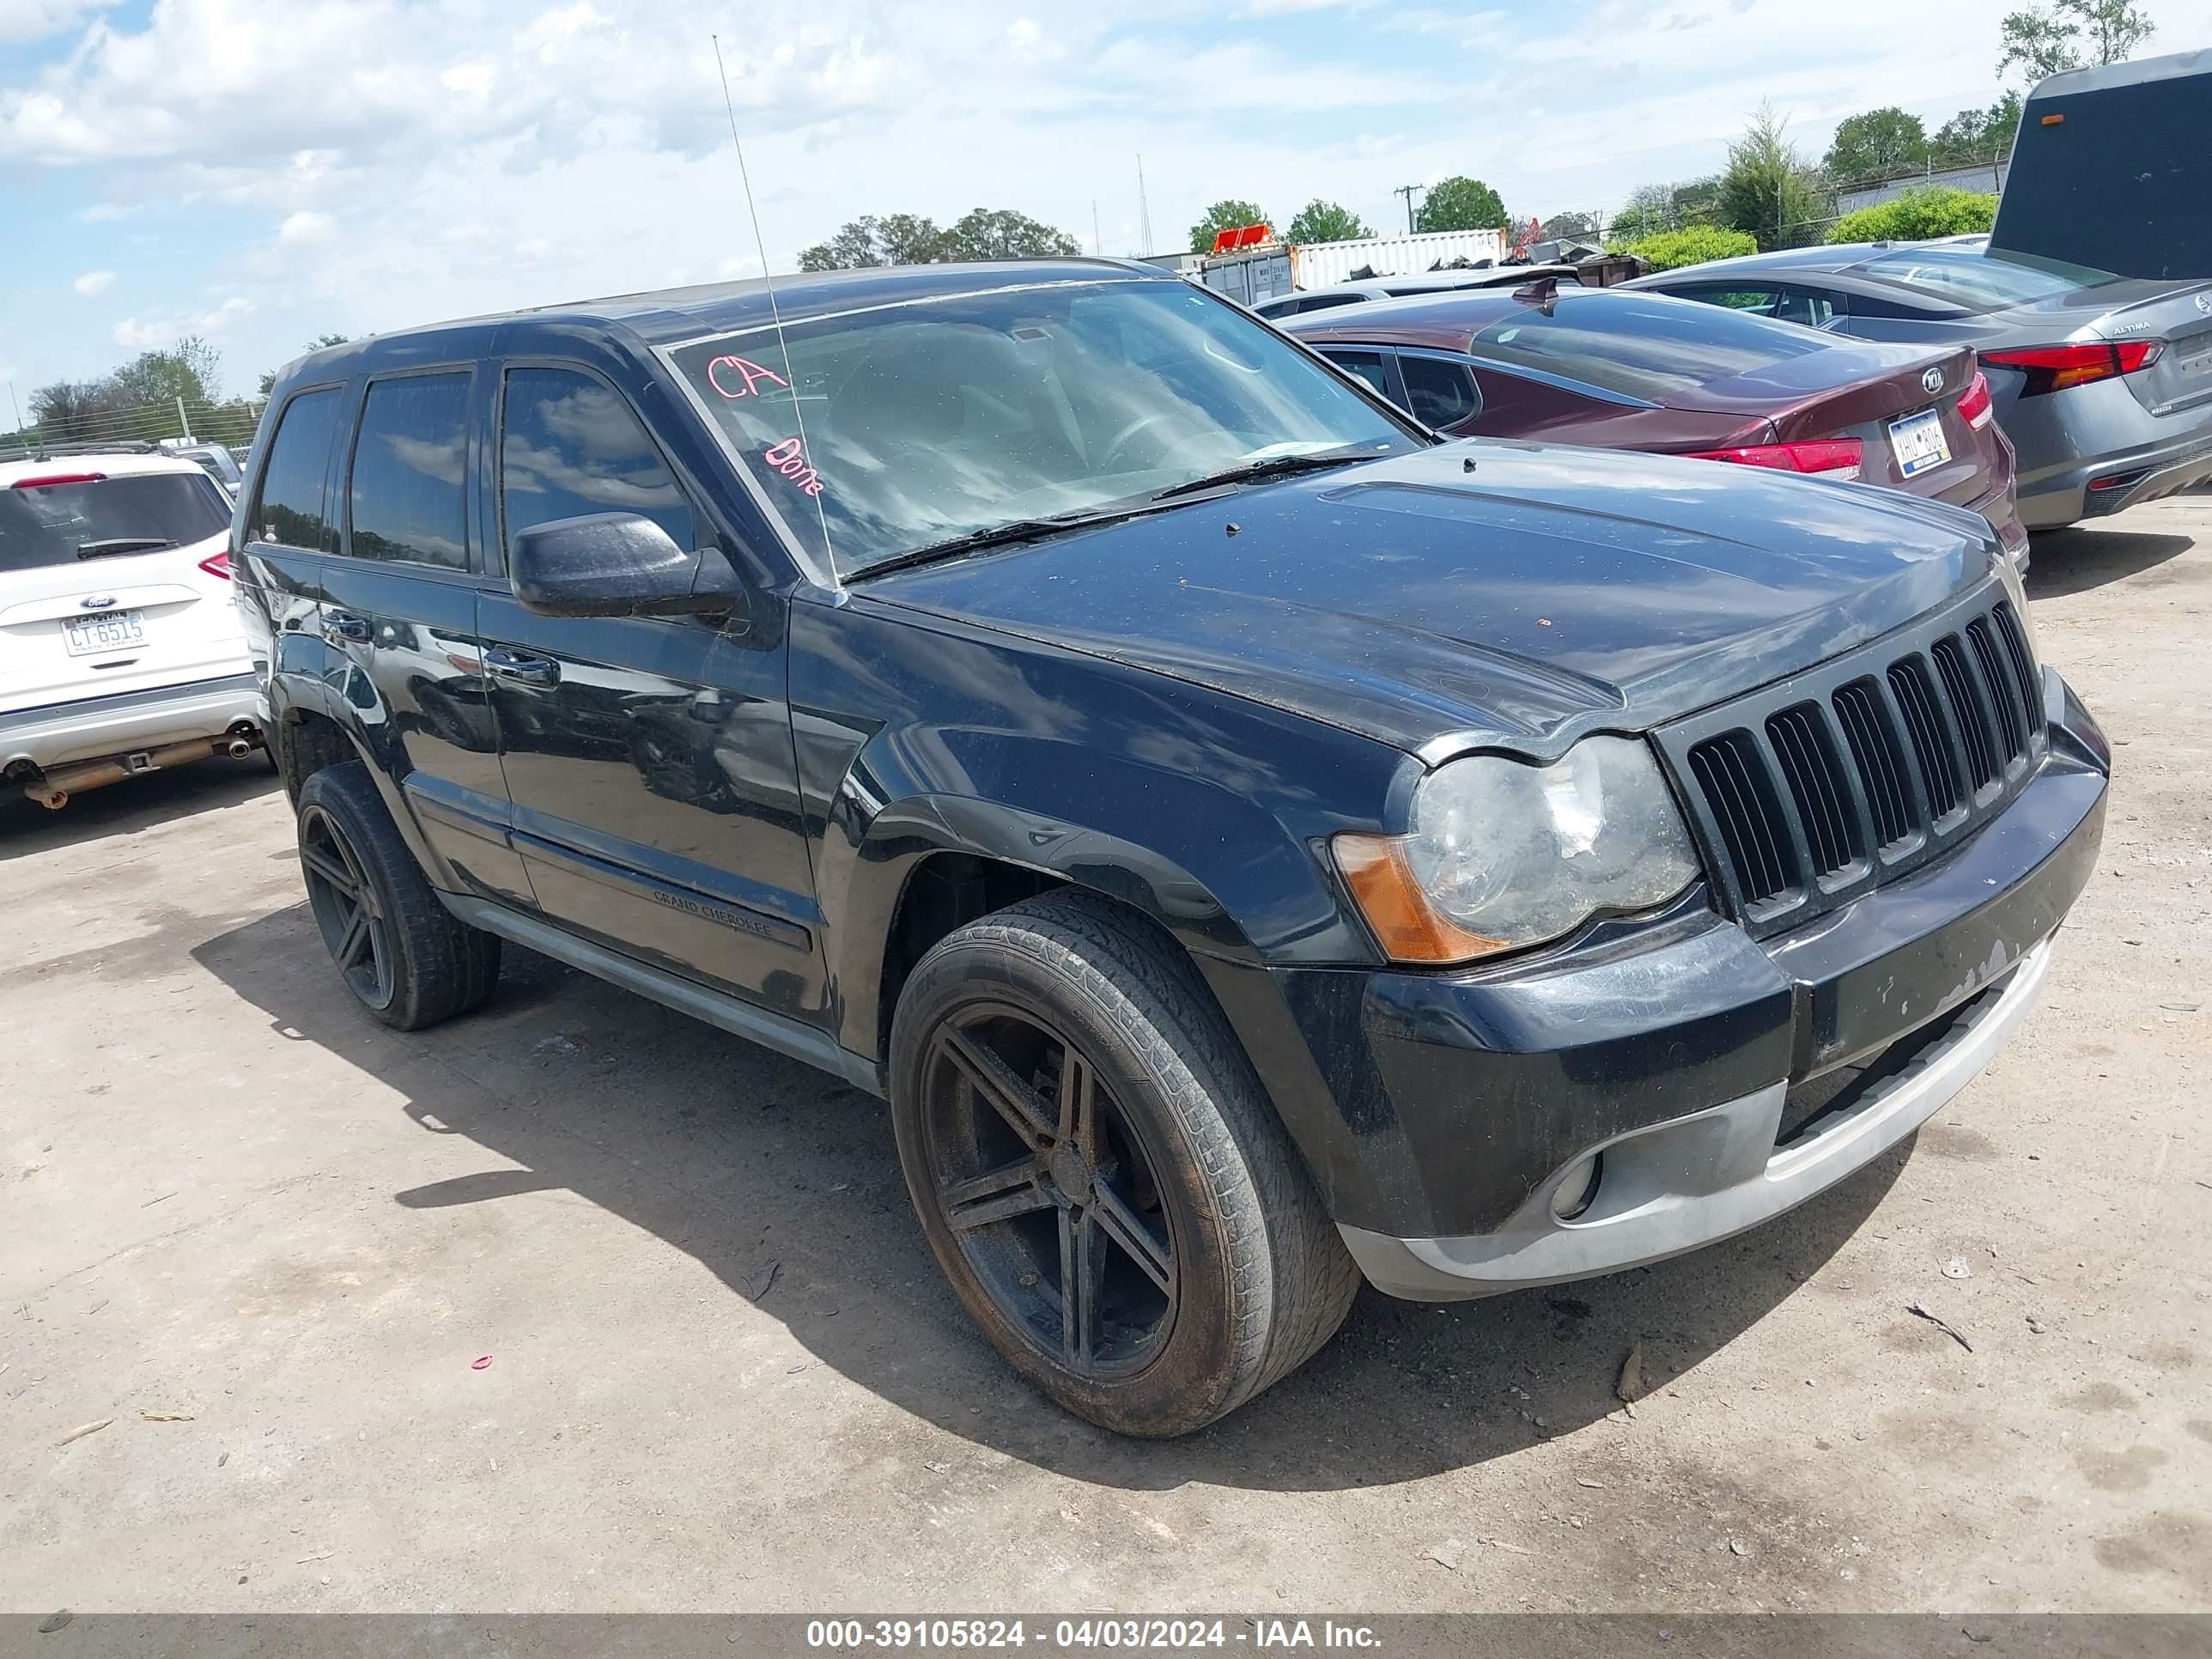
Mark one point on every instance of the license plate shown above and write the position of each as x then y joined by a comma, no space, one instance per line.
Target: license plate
1918,442
104,630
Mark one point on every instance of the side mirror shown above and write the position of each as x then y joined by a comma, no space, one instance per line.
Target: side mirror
617,564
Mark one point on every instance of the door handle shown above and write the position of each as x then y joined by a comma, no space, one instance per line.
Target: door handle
518,665
345,625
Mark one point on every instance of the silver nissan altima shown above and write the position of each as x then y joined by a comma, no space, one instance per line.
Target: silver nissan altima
2102,383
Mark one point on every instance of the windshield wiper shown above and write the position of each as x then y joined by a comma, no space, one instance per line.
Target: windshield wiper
122,544
1275,467
997,535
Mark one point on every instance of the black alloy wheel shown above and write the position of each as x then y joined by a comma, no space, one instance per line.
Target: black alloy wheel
1050,1190
345,907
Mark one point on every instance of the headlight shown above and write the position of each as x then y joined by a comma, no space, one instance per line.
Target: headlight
1502,854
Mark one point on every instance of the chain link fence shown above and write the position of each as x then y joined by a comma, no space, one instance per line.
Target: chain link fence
231,423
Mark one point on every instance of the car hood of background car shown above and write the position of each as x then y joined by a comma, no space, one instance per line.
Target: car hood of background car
1483,593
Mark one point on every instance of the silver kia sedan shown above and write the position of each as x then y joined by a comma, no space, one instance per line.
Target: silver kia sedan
2102,383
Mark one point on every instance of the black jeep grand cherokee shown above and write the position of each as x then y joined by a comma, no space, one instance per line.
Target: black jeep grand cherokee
1251,843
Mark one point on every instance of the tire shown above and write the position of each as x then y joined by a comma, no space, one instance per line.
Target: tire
1213,1269
402,954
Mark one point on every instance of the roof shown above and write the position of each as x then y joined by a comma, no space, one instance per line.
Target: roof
1445,321
668,316
2102,77
113,464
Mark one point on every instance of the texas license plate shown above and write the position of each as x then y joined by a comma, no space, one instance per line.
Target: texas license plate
1918,442
104,630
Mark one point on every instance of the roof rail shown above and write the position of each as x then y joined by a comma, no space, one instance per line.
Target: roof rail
47,452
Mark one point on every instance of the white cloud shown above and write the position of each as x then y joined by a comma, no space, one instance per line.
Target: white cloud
306,227
93,282
155,333
35,20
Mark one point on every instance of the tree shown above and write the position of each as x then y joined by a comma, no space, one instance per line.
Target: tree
320,341
1000,234
1767,190
1916,216
1876,144
2068,33
1568,228
1325,221
1462,204
1229,214
1976,135
1649,209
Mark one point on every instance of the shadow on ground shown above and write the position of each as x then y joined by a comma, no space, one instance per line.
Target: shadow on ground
744,1158
2079,558
28,830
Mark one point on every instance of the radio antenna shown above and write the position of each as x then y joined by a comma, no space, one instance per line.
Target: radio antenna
774,311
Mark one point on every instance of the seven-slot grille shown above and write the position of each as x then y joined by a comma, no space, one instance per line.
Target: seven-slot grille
1809,793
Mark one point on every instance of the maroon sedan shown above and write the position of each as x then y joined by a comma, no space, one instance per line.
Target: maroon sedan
1622,370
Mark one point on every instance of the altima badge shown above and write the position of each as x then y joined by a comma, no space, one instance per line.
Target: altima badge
1932,381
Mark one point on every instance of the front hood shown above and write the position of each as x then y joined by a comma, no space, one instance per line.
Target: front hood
1482,593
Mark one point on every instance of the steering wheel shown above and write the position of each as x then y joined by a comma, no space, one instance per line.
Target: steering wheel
1120,439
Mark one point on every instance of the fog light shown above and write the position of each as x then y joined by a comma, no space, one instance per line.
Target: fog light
1574,1192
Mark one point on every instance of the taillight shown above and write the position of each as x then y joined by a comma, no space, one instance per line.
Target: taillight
1834,457
51,480
1974,401
217,564
2053,368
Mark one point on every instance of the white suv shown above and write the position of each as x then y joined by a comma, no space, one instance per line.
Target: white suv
120,649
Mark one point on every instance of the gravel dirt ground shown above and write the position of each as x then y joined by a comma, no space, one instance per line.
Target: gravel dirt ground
576,1304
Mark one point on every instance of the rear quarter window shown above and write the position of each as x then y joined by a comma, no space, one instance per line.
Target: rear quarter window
290,509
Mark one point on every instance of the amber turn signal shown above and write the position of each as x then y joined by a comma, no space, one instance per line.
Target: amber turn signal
1408,927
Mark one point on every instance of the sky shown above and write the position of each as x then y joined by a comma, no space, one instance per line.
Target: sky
260,172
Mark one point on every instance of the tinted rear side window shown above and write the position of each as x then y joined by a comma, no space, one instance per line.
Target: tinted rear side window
569,446
411,465
1639,345
93,519
1440,394
291,510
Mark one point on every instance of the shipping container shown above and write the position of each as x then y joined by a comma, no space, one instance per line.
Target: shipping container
1250,275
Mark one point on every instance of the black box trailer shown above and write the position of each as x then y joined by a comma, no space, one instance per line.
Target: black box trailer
2113,168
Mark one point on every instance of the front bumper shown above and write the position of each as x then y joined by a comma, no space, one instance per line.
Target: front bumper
97,728
1692,1058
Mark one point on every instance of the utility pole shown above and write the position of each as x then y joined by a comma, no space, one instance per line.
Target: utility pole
1143,212
17,407
1097,246
1406,191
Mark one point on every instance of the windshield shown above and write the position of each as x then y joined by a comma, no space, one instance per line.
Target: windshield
1984,280
903,426
1643,346
61,523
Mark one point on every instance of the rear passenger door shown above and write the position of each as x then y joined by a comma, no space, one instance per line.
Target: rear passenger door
400,599
648,760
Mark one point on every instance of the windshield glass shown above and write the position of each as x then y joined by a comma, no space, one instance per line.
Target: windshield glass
61,523
1641,345
1983,281
909,425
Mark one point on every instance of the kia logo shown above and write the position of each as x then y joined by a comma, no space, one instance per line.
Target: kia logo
1932,381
